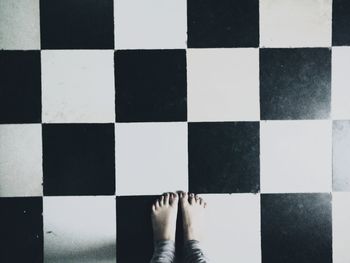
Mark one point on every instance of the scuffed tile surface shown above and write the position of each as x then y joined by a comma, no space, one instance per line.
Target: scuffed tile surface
19,24
296,228
21,160
80,229
224,157
160,152
296,156
83,91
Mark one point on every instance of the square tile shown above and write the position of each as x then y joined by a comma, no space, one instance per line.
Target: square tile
78,86
234,220
152,154
20,24
150,85
75,24
296,156
341,155
341,227
78,159
223,23
340,80
223,157
295,83
289,23
296,228
79,229
134,229
341,23
223,84
153,24
20,85
21,160
21,228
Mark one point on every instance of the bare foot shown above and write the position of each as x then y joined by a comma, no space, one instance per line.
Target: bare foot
164,214
193,208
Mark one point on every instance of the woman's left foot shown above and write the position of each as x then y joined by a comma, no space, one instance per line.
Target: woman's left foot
164,214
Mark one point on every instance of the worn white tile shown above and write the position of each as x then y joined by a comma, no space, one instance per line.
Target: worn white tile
223,84
296,156
341,227
152,24
151,158
19,24
20,160
232,228
341,155
340,83
79,229
78,86
295,23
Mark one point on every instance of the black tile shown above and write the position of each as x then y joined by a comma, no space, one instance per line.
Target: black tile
76,24
223,157
21,230
295,83
341,155
134,229
78,159
341,23
20,87
296,228
151,85
223,23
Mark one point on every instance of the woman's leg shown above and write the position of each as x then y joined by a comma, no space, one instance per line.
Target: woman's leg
193,212
194,252
164,214
164,252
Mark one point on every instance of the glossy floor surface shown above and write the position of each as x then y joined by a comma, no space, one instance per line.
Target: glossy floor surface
106,104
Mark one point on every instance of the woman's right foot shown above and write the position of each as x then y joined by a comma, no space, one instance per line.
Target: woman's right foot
193,208
164,214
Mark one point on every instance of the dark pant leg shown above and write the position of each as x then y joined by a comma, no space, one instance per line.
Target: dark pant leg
164,252
193,252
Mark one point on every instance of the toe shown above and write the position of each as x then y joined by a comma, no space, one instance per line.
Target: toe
153,208
196,197
182,195
173,198
166,198
157,205
201,202
191,198
183,198
161,201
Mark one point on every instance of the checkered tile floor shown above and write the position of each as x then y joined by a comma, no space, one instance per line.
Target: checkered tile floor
106,104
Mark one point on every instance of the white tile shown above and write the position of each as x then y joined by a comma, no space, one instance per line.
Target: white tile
19,24
78,86
223,84
232,228
79,229
20,160
151,158
340,83
152,24
296,156
341,227
341,155
291,23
